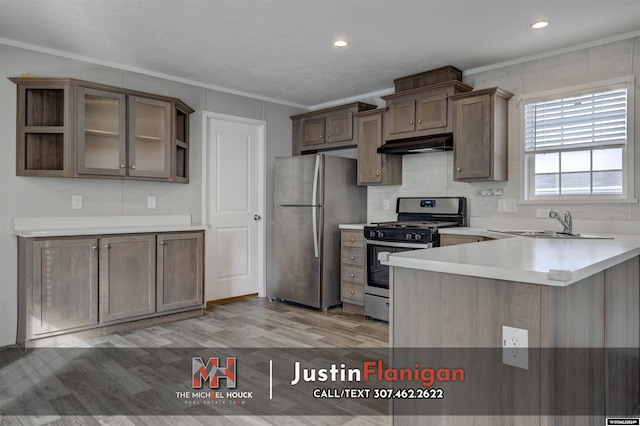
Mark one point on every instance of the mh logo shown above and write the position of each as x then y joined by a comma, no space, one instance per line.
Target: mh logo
213,372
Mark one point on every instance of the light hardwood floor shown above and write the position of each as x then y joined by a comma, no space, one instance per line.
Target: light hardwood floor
248,323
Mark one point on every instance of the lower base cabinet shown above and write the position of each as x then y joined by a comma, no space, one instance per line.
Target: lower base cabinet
127,277
71,284
353,270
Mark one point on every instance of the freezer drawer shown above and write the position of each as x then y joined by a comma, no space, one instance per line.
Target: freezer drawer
297,255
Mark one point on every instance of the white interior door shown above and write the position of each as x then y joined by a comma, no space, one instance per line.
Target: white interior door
234,202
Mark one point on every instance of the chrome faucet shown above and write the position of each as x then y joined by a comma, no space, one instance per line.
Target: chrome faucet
567,223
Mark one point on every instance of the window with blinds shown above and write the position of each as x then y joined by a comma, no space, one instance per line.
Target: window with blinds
575,144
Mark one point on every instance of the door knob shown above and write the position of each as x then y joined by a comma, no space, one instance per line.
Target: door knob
257,217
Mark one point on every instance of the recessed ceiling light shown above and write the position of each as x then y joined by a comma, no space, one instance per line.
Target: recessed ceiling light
340,43
539,24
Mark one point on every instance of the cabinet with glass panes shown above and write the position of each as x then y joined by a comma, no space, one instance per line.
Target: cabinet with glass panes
75,128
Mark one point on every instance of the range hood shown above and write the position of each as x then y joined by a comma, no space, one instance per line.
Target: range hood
441,142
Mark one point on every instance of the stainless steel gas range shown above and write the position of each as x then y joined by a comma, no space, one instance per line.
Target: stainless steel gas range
418,221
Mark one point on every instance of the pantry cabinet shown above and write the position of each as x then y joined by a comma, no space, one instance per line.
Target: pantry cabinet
374,168
324,129
75,128
78,284
480,135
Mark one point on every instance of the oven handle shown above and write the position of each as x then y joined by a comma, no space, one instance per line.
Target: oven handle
399,244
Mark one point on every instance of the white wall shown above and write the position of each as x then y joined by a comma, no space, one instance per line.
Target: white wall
36,196
432,174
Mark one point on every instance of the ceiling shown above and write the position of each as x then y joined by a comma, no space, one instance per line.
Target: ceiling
282,50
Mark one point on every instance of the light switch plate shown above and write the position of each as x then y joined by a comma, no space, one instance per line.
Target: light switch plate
76,202
151,202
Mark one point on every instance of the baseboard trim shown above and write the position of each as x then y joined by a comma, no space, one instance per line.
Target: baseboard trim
230,299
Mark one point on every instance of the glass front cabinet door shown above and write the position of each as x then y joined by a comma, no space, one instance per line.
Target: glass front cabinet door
149,137
102,132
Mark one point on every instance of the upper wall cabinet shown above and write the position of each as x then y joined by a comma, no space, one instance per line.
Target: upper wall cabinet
421,112
325,129
480,135
374,168
75,128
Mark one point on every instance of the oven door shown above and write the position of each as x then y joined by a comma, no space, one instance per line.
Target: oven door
377,282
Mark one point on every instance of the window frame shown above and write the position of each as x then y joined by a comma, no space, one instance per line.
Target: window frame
628,163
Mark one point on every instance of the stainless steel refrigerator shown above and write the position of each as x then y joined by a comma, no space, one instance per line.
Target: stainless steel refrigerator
313,194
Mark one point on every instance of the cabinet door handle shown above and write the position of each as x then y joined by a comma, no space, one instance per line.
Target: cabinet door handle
122,166
459,169
94,248
419,121
352,257
411,122
377,173
107,246
162,243
133,167
353,292
351,275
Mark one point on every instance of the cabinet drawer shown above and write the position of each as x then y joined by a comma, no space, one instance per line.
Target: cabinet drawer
352,238
353,256
353,274
352,293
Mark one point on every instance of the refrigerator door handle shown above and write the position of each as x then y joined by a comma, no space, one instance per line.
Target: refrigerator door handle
314,216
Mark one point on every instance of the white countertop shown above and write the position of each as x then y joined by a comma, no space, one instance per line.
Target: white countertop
358,226
524,259
33,227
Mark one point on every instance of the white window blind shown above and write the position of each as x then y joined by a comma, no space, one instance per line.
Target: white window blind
592,119
575,144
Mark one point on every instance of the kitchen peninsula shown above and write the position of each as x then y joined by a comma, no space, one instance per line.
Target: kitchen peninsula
581,295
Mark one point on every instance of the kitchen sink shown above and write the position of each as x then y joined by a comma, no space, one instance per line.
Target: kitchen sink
552,235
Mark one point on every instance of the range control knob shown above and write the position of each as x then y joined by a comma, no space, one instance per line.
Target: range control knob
408,236
372,233
379,234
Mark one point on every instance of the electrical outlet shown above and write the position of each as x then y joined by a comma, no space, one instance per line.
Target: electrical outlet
508,205
76,202
515,347
542,214
385,204
151,202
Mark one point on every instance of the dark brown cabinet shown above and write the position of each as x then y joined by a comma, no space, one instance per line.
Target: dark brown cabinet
421,112
127,276
455,239
101,132
63,284
374,168
329,128
76,284
180,270
75,128
480,135
353,269
44,128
